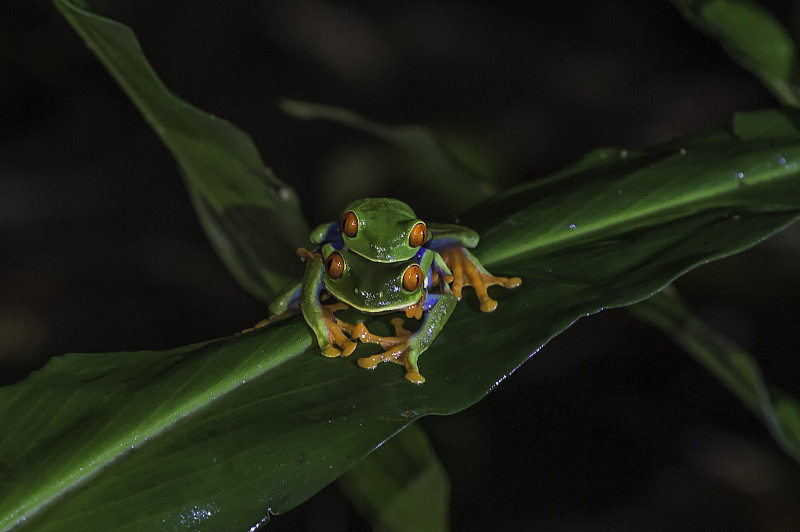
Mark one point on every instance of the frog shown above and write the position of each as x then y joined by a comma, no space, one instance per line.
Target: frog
387,230
379,257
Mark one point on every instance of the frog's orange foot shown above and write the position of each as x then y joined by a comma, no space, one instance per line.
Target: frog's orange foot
391,355
305,254
331,352
273,319
467,273
415,377
415,310
437,281
396,350
262,323
487,303
397,354
338,332
360,332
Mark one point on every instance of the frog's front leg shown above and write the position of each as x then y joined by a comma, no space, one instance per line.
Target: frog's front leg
327,233
285,304
468,271
328,329
406,347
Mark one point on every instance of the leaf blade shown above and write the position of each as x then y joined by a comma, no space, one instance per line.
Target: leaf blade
221,166
734,367
753,38
676,184
401,486
428,164
309,419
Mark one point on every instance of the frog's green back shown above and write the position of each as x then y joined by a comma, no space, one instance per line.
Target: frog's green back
376,208
383,229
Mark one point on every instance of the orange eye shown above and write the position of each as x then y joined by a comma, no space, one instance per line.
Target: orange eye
349,224
334,265
412,278
418,236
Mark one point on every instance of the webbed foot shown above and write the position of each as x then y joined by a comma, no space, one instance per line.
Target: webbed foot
305,254
338,332
467,271
415,310
397,349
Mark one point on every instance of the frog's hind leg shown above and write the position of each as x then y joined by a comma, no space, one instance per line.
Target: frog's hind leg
285,305
273,319
336,329
468,271
329,330
396,347
405,347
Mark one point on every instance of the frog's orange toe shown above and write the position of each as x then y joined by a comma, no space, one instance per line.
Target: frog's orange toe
348,348
370,362
488,305
415,377
331,352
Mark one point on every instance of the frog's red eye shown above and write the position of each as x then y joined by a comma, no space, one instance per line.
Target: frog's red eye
418,236
334,265
349,224
412,278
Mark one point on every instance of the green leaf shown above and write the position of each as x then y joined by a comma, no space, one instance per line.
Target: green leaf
214,436
231,189
401,486
733,366
752,37
766,125
428,164
671,204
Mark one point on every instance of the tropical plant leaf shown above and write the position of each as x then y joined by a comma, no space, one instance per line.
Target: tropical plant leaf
732,365
231,189
709,182
753,38
215,435
401,486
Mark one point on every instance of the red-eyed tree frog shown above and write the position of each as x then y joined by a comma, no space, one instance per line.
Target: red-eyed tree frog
379,257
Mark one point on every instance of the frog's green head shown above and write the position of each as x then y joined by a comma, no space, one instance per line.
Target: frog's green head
372,286
382,229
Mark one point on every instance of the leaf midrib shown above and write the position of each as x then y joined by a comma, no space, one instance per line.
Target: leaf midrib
117,448
637,218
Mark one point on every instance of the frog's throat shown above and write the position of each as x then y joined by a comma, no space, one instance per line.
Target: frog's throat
383,310
383,257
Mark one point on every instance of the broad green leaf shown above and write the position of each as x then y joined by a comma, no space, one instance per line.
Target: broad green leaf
429,165
733,366
670,203
214,436
766,125
231,189
401,486
752,36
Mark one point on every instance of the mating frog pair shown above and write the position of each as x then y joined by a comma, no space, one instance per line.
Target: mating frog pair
379,257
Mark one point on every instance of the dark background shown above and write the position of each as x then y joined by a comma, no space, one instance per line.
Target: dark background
609,427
